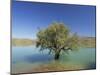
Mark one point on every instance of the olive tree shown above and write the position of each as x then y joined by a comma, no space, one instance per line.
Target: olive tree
56,38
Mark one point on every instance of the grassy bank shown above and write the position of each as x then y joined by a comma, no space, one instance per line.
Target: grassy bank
51,67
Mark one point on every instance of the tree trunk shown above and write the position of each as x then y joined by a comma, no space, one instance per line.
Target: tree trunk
57,55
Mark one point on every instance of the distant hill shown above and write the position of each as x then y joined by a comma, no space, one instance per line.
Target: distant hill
83,42
87,41
23,42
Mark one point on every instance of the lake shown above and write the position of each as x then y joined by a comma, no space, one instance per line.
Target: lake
30,59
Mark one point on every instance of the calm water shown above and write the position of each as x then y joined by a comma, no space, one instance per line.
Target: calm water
26,58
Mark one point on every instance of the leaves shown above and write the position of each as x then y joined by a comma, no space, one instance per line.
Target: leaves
57,38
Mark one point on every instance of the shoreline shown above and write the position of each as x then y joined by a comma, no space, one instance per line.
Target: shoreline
54,67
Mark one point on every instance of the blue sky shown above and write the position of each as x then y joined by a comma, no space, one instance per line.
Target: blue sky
27,17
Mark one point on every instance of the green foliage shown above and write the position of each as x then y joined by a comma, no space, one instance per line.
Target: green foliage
57,38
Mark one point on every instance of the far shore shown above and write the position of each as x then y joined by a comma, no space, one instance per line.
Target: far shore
87,42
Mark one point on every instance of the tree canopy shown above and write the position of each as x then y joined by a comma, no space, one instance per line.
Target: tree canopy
56,38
